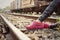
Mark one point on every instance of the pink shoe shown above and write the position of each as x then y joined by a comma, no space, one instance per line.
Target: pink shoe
37,25
47,25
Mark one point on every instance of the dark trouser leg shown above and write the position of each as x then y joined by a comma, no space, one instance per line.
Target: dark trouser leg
49,10
53,26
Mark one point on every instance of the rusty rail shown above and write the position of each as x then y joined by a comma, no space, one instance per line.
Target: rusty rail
32,16
16,32
51,19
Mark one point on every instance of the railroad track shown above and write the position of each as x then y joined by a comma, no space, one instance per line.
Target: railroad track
20,21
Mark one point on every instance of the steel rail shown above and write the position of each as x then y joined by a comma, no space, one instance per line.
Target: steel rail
50,19
32,16
19,35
